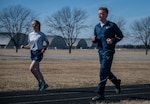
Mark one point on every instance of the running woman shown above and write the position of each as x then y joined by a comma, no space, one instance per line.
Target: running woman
35,43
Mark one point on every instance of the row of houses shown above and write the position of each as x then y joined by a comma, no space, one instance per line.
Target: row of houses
56,42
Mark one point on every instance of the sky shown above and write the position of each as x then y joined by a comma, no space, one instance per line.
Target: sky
129,10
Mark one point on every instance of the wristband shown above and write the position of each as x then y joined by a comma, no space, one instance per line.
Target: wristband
44,48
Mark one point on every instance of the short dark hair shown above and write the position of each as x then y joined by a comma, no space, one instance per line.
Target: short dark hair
104,8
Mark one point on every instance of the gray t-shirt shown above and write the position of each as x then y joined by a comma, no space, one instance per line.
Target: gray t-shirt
36,40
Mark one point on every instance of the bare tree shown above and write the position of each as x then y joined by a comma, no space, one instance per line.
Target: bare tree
15,20
68,23
141,31
120,23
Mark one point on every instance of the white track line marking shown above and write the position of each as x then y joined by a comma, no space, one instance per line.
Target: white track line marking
62,93
50,94
82,98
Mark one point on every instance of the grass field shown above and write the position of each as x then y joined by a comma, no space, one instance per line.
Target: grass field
131,66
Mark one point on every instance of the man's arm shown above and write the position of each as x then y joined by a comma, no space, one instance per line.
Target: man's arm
119,35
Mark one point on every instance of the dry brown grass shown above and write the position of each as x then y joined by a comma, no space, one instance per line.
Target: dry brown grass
65,73
14,73
126,102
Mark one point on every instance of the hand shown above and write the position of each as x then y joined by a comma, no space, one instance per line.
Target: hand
109,41
43,50
22,46
93,38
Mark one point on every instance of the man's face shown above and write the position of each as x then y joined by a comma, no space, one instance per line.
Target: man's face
102,15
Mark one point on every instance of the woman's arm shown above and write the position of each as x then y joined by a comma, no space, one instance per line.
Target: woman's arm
47,44
26,46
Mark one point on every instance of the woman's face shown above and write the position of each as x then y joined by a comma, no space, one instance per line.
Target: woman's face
35,26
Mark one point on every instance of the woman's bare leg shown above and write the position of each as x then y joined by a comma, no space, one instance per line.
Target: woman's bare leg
35,69
40,75
32,69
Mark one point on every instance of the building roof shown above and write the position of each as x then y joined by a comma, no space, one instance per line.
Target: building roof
54,40
4,39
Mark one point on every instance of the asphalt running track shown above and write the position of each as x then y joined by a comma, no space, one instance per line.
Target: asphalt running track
75,95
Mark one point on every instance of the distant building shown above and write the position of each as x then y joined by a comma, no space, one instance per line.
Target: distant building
56,42
82,44
4,40
86,43
7,42
18,39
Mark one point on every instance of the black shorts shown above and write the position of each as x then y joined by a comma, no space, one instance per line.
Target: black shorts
36,55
